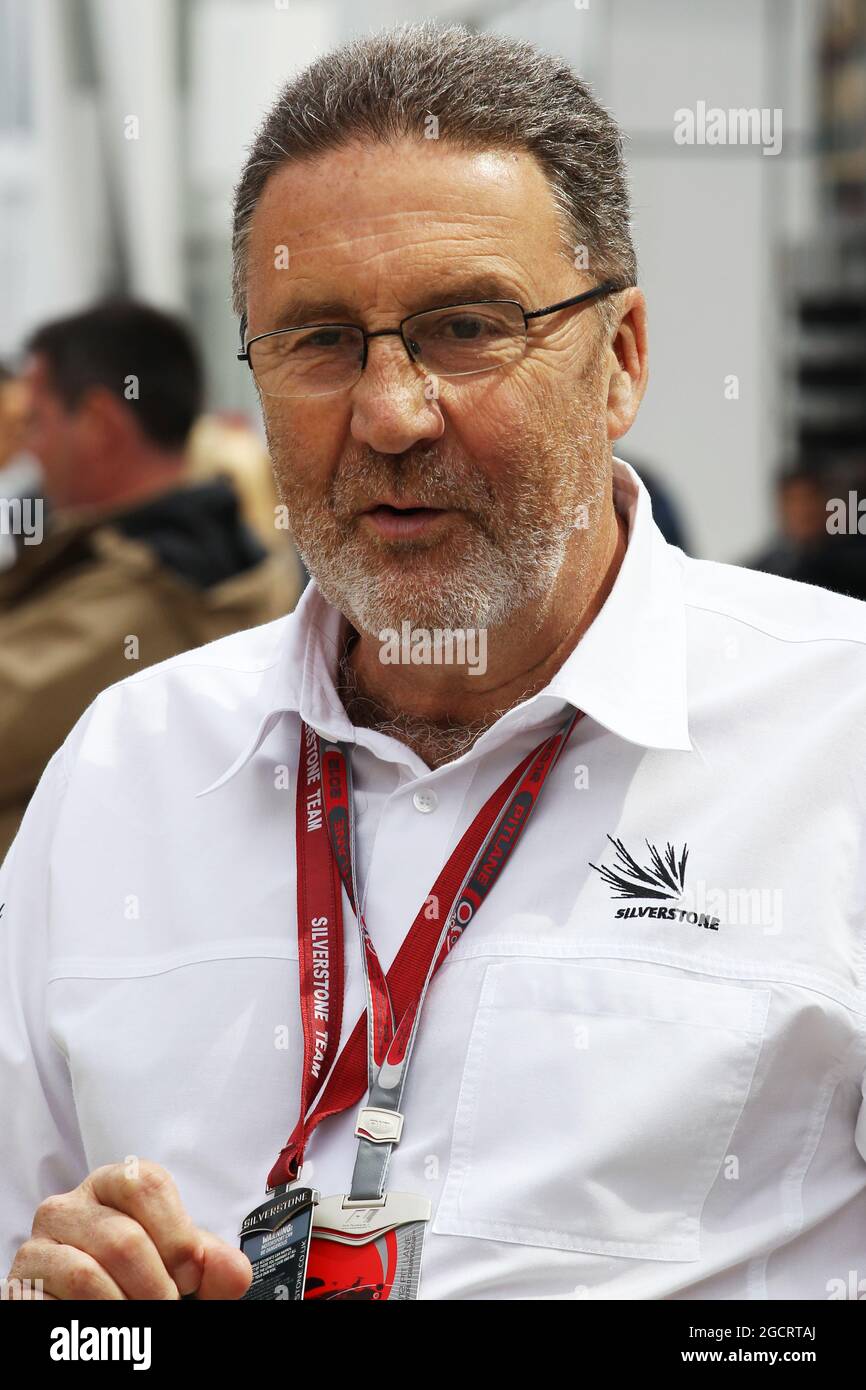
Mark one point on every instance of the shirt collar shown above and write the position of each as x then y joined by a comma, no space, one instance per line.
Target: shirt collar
627,672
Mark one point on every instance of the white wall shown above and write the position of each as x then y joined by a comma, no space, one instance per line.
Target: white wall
53,221
708,221
240,56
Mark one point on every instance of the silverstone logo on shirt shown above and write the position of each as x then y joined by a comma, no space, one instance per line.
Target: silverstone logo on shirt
664,877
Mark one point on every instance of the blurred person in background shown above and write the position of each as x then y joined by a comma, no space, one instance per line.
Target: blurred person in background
811,547
138,562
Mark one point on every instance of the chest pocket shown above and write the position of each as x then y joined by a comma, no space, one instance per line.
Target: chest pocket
596,1107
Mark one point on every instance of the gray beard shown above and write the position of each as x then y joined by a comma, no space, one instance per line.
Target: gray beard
435,741
485,591
508,557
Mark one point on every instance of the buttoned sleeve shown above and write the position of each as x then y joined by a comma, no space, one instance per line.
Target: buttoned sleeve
41,1151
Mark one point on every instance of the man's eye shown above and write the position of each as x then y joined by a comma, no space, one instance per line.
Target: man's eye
318,339
466,328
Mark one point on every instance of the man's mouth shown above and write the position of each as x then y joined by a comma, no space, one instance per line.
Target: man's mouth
403,522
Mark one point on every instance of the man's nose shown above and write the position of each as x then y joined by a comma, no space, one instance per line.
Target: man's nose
394,403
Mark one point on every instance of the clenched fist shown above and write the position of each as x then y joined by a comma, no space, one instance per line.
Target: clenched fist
123,1237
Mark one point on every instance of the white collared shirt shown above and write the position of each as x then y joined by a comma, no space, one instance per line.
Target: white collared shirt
613,1094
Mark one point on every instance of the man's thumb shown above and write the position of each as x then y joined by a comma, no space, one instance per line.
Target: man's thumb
226,1272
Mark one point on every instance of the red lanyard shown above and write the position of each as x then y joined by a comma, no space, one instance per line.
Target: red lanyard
325,864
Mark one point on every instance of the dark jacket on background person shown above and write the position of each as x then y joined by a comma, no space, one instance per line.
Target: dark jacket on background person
832,562
108,592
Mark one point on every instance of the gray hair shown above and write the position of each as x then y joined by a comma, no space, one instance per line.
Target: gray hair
487,91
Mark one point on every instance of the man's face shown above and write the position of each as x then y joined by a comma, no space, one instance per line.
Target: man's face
502,462
51,433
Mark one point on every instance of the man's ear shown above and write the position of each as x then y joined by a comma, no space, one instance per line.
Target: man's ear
627,364
103,419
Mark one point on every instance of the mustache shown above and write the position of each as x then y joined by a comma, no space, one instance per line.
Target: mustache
431,478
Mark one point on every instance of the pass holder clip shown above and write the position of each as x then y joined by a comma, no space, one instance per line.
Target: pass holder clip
379,1126
348,1219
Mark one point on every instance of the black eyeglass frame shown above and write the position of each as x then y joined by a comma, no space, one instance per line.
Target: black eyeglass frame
607,287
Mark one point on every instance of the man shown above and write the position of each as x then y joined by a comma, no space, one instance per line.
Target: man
138,565
626,1081
823,535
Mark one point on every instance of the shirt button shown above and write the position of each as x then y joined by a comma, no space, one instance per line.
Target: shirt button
425,801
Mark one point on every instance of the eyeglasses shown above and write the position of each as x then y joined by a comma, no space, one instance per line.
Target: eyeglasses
456,340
